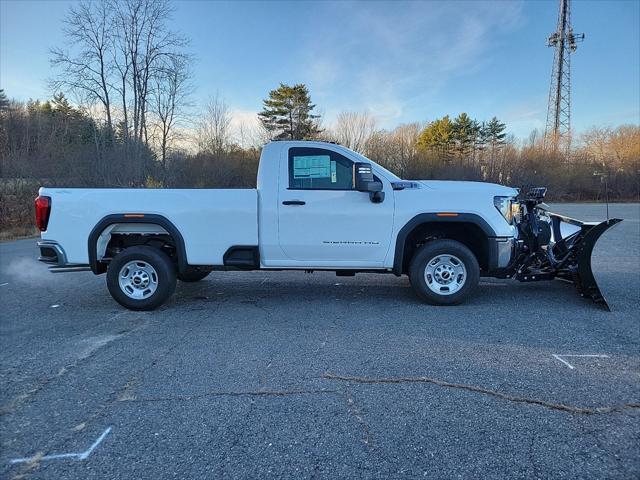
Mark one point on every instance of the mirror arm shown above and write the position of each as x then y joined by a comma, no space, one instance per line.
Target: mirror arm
376,197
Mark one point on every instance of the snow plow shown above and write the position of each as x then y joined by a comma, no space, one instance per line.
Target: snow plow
554,246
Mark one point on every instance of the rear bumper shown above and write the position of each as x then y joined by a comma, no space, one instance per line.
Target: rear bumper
53,254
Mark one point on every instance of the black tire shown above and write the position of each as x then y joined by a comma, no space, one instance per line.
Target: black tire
165,277
430,252
193,274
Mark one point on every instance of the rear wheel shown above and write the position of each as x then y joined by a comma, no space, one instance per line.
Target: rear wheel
444,272
193,274
141,278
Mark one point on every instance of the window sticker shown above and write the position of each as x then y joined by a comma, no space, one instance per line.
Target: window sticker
313,166
333,172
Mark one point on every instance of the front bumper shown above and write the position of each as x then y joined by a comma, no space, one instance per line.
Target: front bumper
53,254
501,255
505,249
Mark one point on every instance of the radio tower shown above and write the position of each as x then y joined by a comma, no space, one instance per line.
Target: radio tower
557,134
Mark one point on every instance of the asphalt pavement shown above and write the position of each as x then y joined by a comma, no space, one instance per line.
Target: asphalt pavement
295,375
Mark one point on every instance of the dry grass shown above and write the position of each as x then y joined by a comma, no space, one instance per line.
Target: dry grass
18,233
17,216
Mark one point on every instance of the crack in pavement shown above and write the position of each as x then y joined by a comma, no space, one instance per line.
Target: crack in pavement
357,414
122,394
352,408
28,467
86,355
232,393
126,391
494,393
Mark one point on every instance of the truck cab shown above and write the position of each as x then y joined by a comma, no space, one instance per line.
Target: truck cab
312,215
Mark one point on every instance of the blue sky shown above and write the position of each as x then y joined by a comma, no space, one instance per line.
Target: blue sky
402,61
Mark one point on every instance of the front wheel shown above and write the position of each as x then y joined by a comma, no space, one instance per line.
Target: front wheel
444,272
141,278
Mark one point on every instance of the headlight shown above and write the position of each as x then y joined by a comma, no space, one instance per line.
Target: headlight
507,207
516,211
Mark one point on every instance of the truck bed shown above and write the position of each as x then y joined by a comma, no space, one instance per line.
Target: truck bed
210,221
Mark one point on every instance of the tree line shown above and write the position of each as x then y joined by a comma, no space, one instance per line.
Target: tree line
54,142
127,119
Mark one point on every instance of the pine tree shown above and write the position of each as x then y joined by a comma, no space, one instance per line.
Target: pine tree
463,133
481,135
496,138
496,135
61,105
4,101
287,113
438,136
478,138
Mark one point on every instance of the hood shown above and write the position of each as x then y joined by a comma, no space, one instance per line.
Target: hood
469,187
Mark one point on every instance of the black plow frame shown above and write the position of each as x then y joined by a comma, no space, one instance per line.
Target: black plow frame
547,255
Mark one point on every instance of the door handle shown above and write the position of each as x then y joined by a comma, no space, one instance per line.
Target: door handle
294,202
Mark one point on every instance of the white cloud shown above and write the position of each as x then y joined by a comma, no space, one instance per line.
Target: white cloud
243,118
246,128
384,56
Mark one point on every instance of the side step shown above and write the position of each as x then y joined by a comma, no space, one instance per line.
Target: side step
246,257
70,268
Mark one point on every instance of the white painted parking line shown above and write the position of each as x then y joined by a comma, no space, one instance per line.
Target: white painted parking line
76,456
559,357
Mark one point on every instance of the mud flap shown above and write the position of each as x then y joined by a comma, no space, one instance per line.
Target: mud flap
583,276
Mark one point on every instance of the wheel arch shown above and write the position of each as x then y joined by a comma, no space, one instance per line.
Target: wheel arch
478,242
98,267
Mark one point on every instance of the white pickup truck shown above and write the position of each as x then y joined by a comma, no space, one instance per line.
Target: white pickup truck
317,206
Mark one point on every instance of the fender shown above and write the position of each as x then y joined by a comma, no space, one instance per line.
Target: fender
433,218
139,218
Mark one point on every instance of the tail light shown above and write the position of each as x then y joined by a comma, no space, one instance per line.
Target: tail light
43,210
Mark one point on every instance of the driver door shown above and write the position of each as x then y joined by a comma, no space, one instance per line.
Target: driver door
323,221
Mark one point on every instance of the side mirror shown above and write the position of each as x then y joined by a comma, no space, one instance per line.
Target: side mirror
363,181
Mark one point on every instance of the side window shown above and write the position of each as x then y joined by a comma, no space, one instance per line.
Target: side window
319,169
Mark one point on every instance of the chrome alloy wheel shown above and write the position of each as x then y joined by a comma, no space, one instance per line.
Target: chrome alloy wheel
138,280
445,274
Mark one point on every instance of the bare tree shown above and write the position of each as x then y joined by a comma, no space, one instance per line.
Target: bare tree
171,90
596,142
143,45
122,53
214,128
404,138
396,149
353,129
252,134
86,69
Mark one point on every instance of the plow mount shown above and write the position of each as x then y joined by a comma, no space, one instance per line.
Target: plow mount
555,246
